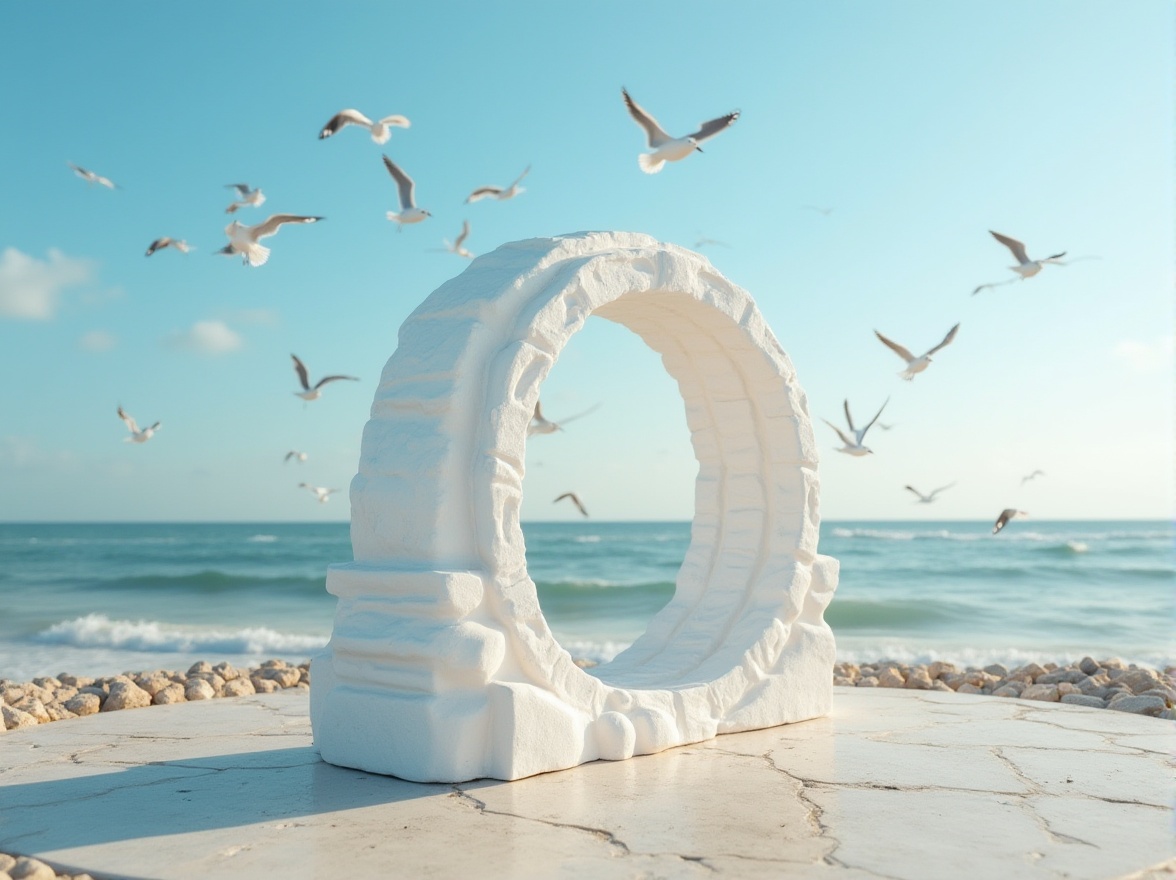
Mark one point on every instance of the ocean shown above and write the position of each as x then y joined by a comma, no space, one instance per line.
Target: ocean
97,599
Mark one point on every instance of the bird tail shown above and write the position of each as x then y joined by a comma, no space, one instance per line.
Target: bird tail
380,133
257,254
393,216
650,165
232,209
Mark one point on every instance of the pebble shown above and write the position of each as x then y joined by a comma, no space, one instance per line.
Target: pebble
1143,705
1084,700
83,704
31,869
198,689
126,695
890,678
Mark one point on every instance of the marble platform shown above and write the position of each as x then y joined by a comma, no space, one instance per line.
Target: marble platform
895,784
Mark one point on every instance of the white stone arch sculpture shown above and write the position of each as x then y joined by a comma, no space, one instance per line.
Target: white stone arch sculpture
441,667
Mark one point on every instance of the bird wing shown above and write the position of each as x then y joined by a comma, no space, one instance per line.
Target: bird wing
1013,245
941,489
105,181
272,224
992,284
575,501
341,119
241,188
917,492
289,455
578,415
122,414
156,426
895,347
714,126
323,381
519,179
300,369
80,171
397,120
465,231
654,133
182,246
483,192
538,413
1054,257
844,439
848,417
1005,516
157,244
951,334
861,435
403,182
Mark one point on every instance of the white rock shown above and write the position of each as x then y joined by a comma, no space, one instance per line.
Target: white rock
6,862
14,718
83,704
918,679
238,687
890,678
198,689
126,695
264,685
1046,693
870,681
173,693
434,526
31,869
969,688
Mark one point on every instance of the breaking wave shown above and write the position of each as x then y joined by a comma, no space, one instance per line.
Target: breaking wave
99,631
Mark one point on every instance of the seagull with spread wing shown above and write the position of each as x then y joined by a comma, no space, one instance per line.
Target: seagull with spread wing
927,499
575,501
246,197
1009,513
299,457
540,425
321,493
308,393
160,243
243,239
916,364
379,128
671,149
498,192
409,212
854,447
137,435
1025,268
1033,476
458,245
90,177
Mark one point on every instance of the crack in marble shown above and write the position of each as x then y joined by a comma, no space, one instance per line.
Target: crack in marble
600,833
1026,807
105,792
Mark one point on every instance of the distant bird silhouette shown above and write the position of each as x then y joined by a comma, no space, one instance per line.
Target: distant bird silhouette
499,192
1005,515
540,425
854,447
1032,476
322,494
1025,268
916,364
308,393
575,501
90,177
160,243
137,435
246,197
927,499
296,455
406,189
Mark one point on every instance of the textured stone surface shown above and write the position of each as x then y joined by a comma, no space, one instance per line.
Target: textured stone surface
903,784
441,666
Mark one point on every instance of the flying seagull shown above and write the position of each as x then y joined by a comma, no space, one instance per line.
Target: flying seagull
243,239
854,446
246,197
323,494
927,499
379,128
137,436
409,212
703,241
540,425
1032,476
498,192
296,455
308,393
916,364
1005,515
670,149
458,246
575,501
1025,268
90,177
160,243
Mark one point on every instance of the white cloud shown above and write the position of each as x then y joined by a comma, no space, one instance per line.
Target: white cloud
97,341
31,288
207,337
1146,357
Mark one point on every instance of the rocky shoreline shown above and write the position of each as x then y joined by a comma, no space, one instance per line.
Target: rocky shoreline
1099,684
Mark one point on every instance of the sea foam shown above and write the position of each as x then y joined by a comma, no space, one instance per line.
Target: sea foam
99,631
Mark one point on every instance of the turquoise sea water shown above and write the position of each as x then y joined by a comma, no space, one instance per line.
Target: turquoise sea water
104,598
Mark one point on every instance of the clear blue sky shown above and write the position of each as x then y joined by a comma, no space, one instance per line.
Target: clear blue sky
922,124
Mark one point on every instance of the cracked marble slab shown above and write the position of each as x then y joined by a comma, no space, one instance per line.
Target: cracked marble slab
892,784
